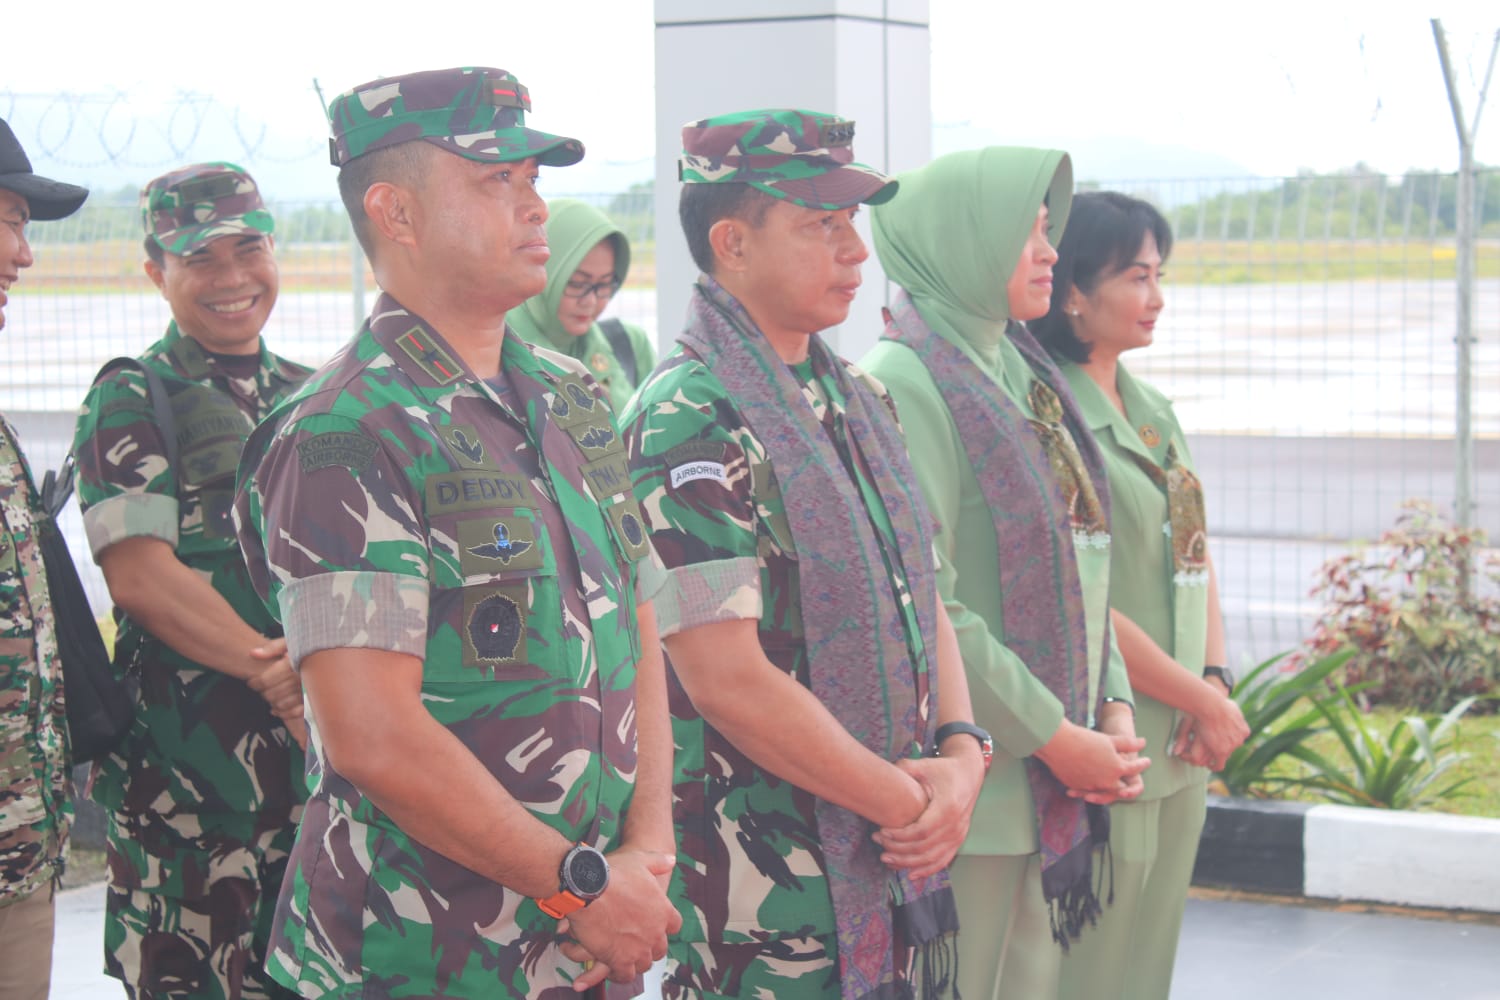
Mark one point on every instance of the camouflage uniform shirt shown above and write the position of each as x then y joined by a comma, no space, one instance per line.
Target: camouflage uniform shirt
203,744
489,529
749,864
34,801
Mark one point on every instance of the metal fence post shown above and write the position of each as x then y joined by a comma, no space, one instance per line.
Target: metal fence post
1465,235
356,279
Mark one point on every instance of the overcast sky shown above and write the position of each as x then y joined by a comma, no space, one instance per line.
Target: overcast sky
1273,86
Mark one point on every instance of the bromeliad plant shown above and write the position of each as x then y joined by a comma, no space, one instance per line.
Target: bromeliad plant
1279,704
1401,770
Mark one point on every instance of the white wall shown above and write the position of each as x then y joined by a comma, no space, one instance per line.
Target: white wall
868,60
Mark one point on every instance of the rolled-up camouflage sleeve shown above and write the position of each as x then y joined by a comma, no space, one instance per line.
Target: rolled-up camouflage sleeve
342,554
694,486
125,487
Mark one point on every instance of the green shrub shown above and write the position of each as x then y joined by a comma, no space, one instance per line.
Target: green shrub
1422,638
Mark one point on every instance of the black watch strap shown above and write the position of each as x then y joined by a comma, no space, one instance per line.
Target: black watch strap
986,742
1222,673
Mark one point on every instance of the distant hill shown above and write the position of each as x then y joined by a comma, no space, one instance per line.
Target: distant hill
1108,160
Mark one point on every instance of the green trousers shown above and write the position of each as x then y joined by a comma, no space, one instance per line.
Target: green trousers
1130,953
1005,946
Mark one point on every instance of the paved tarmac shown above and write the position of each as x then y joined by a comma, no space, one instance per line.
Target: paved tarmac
1231,950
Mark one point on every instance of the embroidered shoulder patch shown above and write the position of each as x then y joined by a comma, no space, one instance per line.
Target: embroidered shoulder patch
691,471
341,448
693,460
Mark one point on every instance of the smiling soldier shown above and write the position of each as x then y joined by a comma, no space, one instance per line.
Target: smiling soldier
204,793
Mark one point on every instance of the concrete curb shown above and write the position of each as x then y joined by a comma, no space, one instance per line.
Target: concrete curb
1343,852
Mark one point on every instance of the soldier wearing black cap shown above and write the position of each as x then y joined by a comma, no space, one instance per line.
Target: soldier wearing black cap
35,804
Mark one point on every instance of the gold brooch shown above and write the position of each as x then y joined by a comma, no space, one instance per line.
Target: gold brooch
599,362
1150,436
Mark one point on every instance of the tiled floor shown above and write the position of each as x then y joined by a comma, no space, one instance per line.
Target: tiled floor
1231,950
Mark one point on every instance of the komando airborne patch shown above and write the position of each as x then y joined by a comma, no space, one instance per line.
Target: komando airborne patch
341,448
693,460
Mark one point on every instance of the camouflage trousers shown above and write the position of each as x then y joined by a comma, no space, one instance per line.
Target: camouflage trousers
802,968
190,902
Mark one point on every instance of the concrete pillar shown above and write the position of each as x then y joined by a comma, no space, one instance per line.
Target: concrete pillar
868,60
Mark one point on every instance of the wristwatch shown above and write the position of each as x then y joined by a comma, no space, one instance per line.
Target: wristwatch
1224,674
986,742
583,877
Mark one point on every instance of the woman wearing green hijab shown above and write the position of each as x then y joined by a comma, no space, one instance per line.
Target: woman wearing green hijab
1012,474
590,258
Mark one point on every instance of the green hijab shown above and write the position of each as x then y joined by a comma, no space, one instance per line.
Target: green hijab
573,229
954,234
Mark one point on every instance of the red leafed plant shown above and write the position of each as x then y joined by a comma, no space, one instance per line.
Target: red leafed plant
1421,639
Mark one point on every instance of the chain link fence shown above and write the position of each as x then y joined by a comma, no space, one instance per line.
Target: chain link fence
1308,341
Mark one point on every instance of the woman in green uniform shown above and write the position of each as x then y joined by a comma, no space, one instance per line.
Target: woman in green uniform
1008,468
1165,605
589,262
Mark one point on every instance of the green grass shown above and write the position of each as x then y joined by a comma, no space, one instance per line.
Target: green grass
1476,735
113,266
1230,262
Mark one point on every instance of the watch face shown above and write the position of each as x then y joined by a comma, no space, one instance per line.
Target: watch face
588,872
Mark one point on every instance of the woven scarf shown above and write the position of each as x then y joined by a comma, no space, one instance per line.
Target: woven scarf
877,680
1042,598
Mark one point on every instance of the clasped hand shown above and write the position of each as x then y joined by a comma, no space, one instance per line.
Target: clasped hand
929,843
626,929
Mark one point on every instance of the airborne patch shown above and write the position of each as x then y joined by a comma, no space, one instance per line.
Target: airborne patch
696,460
494,631
337,448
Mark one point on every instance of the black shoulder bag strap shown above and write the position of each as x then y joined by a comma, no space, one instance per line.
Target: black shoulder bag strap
99,699
57,485
619,342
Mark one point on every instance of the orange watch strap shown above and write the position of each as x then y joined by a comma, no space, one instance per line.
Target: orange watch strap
561,904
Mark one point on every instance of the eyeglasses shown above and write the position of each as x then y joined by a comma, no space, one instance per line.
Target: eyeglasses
581,290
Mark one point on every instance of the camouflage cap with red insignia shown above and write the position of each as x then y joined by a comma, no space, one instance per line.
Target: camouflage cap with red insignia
189,207
474,111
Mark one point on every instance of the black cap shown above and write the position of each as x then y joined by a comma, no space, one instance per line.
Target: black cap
46,198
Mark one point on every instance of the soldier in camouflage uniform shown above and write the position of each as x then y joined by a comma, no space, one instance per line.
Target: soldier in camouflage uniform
771,766
35,802
205,791
443,518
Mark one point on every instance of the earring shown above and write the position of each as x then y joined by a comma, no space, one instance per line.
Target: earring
1072,312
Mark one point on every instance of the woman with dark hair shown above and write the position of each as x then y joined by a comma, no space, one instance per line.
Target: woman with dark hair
1106,298
1008,468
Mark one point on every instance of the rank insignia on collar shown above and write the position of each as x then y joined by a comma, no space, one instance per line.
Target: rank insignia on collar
432,359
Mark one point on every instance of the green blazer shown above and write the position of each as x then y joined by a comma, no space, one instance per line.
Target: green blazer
1143,584
1020,713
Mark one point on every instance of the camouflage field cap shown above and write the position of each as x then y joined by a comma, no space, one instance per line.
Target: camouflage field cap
185,209
803,157
474,111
